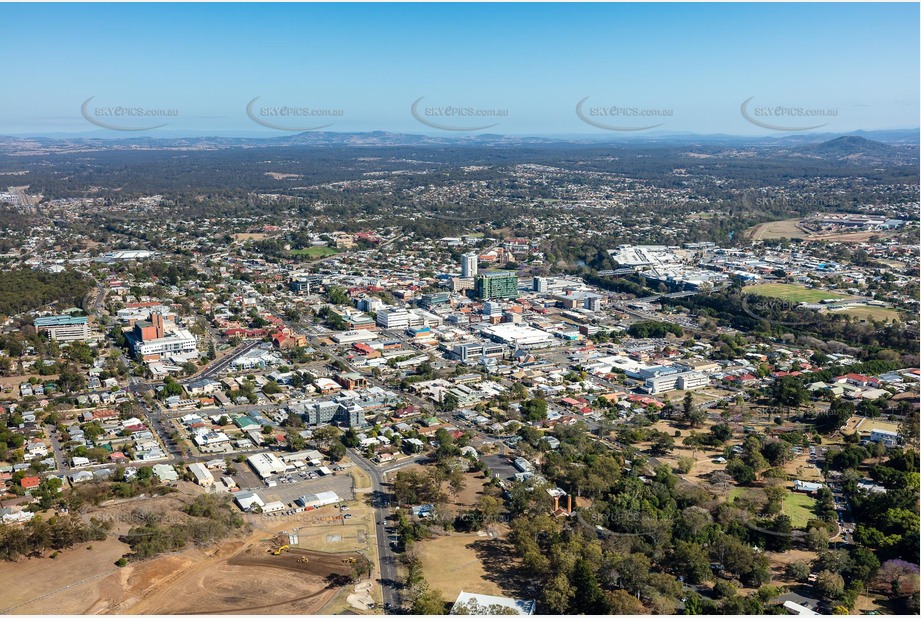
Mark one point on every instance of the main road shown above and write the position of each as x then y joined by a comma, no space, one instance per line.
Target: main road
380,501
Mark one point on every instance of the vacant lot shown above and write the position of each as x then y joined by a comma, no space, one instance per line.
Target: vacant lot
68,584
867,425
236,576
794,293
249,236
451,564
788,228
315,252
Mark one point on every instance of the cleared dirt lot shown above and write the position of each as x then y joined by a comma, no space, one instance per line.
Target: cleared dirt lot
475,563
235,576
788,228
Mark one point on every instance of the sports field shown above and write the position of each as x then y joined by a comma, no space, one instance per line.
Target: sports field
314,252
880,314
794,293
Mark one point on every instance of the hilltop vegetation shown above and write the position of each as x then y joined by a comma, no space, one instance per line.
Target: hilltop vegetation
24,289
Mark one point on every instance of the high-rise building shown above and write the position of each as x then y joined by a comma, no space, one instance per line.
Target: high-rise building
498,284
469,263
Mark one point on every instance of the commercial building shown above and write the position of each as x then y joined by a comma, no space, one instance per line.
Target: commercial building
806,486
180,342
428,301
354,336
476,350
889,438
498,284
483,604
469,264
683,381
315,501
266,464
396,318
352,380
246,500
64,328
517,335
202,475
149,340
393,318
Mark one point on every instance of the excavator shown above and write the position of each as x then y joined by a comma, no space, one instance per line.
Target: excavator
279,550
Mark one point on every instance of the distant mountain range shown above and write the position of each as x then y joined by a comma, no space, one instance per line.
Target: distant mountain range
858,143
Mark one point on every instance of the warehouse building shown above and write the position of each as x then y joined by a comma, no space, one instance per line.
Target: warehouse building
315,501
266,464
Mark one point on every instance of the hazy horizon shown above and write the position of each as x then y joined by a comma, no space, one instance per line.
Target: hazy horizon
510,69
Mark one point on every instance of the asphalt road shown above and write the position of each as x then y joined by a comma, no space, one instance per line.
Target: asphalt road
387,559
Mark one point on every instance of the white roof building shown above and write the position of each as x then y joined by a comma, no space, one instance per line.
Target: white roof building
247,499
266,464
480,603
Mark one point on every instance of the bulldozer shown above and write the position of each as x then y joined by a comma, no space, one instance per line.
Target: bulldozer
303,559
349,560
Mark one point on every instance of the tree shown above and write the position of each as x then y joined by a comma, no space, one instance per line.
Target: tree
817,539
336,452
622,603
450,402
662,443
829,585
489,508
685,464
557,593
457,482
338,295
294,440
692,562
534,409
798,571
351,439
429,603
327,434
742,474
788,392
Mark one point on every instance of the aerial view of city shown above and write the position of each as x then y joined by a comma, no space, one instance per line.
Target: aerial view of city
470,309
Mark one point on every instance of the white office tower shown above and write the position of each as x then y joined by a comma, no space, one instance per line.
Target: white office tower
491,309
469,262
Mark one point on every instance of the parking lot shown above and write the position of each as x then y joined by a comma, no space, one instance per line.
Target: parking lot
501,466
341,483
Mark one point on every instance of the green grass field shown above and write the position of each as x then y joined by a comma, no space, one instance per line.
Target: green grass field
794,293
880,314
798,507
315,252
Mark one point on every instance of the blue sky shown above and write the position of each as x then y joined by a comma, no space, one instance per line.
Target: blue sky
692,64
